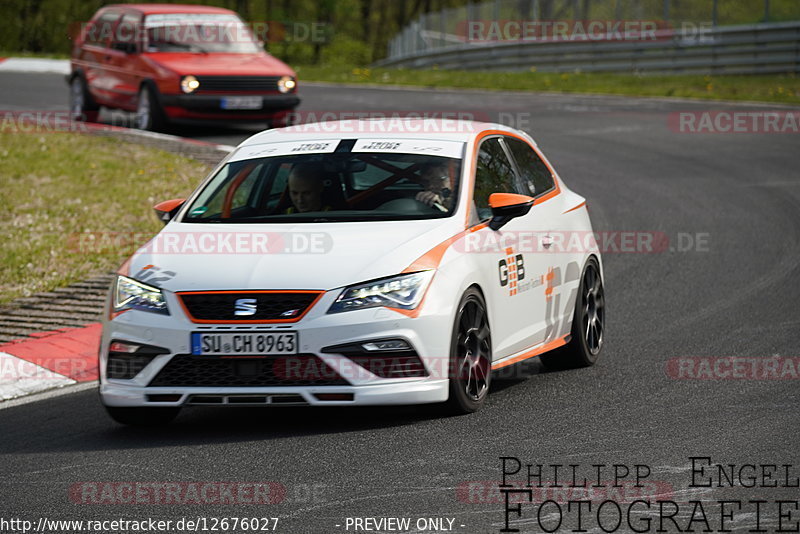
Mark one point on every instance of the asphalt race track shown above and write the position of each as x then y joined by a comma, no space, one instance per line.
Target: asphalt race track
734,295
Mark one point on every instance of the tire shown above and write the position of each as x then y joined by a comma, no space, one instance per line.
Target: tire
82,106
588,324
149,115
142,416
470,355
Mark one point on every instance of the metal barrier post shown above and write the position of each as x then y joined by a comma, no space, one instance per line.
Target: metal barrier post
714,13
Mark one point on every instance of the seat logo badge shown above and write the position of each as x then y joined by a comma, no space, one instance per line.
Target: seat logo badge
245,307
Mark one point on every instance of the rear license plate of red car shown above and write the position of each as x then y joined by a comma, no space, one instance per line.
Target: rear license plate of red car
241,102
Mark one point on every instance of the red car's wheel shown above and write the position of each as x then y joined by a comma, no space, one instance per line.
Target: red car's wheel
82,106
149,115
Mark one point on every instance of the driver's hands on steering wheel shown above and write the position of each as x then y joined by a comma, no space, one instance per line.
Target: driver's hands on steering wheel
429,198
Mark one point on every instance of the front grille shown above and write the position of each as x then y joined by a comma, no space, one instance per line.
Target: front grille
286,306
185,370
226,84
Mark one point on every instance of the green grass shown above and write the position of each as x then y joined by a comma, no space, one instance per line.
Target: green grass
17,53
772,88
54,187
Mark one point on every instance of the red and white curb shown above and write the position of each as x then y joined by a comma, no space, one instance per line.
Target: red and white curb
34,64
49,360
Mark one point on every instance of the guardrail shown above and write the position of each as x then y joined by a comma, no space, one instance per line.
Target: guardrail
746,49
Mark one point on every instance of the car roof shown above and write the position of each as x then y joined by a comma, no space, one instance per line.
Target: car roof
152,9
381,128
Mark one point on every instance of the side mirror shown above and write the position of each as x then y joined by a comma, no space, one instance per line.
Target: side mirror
166,210
506,206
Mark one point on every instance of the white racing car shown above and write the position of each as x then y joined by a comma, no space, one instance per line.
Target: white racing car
355,263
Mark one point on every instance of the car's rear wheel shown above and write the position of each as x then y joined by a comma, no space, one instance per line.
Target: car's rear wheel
142,416
82,106
470,355
149,115
588,324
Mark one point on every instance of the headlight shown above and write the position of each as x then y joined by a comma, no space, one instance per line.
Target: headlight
286,84
132,295
189,84
404,291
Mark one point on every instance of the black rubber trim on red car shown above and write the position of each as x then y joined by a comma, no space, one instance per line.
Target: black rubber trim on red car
212,103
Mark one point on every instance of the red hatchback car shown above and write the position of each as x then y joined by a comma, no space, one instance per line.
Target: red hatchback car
171,63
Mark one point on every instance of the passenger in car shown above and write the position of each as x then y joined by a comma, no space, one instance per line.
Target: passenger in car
435,179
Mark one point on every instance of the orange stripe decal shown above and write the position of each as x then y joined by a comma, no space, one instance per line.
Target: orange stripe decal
432,258
582,204
541,349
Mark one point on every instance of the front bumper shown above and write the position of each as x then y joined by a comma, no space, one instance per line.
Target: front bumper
317,330
416,392
209,106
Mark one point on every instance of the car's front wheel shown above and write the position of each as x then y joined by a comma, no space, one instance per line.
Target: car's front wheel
588,324
149,115
142,416
470,355
82,106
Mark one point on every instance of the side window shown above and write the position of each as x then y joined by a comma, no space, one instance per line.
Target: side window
280,183
100,31
244,192
211,201
494,174
126,34
536,177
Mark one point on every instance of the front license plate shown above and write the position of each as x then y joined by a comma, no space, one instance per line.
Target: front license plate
229,344
241,102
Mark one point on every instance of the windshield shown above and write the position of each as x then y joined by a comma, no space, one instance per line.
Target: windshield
200,33
332,187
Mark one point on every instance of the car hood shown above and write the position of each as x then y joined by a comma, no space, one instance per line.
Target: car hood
218,64
193,257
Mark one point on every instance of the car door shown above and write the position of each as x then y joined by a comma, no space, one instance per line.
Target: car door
123,69
557,261
517,273
97,48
